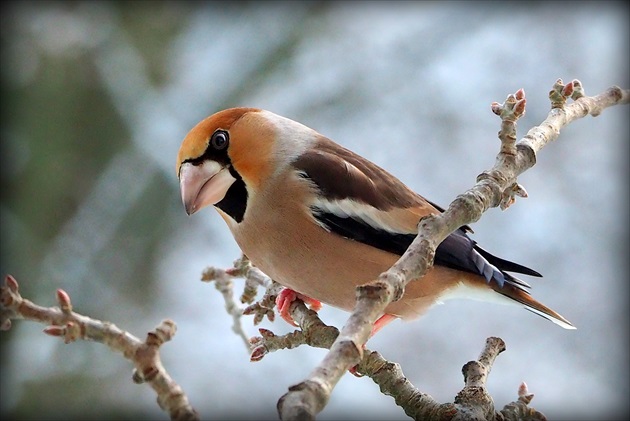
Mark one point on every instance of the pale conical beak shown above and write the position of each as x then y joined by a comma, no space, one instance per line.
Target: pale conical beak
203,185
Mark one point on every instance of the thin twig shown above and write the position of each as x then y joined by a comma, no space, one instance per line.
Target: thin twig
65,323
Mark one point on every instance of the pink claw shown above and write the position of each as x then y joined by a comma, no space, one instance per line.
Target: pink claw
380,323
286,297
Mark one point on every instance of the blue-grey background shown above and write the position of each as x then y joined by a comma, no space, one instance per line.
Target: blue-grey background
97,96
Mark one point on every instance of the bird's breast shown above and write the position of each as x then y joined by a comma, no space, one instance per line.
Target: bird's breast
281,238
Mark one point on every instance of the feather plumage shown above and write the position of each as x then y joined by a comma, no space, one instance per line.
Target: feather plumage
320,219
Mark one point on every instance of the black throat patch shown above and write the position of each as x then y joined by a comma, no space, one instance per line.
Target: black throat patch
235,201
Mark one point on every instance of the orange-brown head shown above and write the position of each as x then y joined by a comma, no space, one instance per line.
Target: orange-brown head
232,152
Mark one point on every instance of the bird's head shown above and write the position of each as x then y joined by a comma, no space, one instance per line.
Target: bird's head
232,153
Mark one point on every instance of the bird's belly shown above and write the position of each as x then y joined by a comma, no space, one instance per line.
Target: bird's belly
328,271
328,267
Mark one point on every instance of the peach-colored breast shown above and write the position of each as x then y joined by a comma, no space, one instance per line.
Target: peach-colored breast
283,240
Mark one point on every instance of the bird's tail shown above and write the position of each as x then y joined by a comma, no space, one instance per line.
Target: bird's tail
521,296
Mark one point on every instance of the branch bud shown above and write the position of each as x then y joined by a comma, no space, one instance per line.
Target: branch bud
64,301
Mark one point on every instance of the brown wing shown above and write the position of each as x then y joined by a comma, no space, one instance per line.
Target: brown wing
361,201
341,174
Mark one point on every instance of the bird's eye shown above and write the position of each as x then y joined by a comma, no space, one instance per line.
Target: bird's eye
219,140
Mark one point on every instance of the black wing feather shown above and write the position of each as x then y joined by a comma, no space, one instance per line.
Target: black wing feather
358,230
457,251
506,264
340,174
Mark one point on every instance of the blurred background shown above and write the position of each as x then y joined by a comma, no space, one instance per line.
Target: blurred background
97,96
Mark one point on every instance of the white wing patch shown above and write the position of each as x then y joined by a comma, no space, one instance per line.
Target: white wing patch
348,208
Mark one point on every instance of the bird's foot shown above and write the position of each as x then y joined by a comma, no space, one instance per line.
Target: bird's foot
286,297
380,323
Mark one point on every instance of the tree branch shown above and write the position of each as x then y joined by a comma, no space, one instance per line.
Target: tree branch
495,187
472,401
306,399
65,323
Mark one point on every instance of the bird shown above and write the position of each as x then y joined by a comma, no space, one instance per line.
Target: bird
321,220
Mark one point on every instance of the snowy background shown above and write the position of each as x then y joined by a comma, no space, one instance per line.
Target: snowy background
97,96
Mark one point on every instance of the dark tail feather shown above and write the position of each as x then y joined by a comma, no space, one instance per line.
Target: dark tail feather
506,265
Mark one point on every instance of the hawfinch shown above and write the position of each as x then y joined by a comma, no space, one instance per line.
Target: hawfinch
320,219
